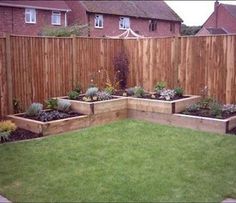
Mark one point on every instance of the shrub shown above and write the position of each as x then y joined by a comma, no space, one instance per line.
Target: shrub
206,102
51,103
91,92
179,91
121,66
78,30
167,94
109,89
45,116
193,108
139,92
73,95
78,89
34,109
130,91
6,127
63,105
215,109
103,95
160,86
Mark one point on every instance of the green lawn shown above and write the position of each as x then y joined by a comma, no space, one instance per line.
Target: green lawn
123,161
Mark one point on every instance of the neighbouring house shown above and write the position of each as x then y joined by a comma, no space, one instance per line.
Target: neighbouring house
221,21
111,18
30,17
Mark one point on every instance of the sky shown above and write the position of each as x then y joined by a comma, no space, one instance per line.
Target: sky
194,12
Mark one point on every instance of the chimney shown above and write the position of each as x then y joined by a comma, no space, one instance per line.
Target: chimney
216,12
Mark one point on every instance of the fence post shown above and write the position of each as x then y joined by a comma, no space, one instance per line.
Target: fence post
74,81
176,61
9,73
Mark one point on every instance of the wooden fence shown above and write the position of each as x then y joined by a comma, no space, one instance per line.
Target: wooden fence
33,69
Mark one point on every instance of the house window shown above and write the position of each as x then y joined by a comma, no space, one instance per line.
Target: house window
56,18
30,15
124,23
172,27
152,25
98,21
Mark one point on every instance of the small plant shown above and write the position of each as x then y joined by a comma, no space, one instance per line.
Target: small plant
179,91
63,106
103,95
206,100
45,116
78,89
139,92
73,95
160,86
16,105
216,109
6,127
229,108
193,108
167,94
130,91
34,109
51,103
91,92
109,89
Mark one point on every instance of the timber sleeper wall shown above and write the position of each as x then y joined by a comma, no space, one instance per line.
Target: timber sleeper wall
159,106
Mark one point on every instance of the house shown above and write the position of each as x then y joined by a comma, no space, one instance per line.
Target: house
30,17
112,18
221,21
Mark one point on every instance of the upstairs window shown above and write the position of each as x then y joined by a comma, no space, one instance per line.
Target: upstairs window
172,27
152,25
56,18
98,21
30,15
124,23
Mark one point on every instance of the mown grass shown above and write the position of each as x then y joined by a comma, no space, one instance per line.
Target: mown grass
124,161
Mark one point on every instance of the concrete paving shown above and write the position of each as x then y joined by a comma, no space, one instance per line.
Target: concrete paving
229,200
4,200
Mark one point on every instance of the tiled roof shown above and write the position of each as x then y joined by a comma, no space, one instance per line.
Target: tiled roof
230,8
45,5
217,31
143,9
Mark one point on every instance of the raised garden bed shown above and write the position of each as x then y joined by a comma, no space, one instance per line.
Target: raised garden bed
160,106
214,125
97,107
50,127
21,134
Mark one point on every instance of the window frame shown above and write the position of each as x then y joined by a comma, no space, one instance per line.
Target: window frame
57,14
97,18
124,18
32,15
152,25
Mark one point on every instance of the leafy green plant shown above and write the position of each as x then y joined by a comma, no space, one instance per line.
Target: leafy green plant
193,108
206,100
63,105
91,92
109,89
160,86
179,91
73,95
103,95
78,89
139,92
51,103
34,109
216,109
6,127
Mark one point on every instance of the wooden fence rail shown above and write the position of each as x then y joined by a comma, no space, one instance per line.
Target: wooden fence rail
33,69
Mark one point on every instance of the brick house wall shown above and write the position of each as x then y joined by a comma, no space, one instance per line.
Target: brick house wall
12,20
225,20
139,25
